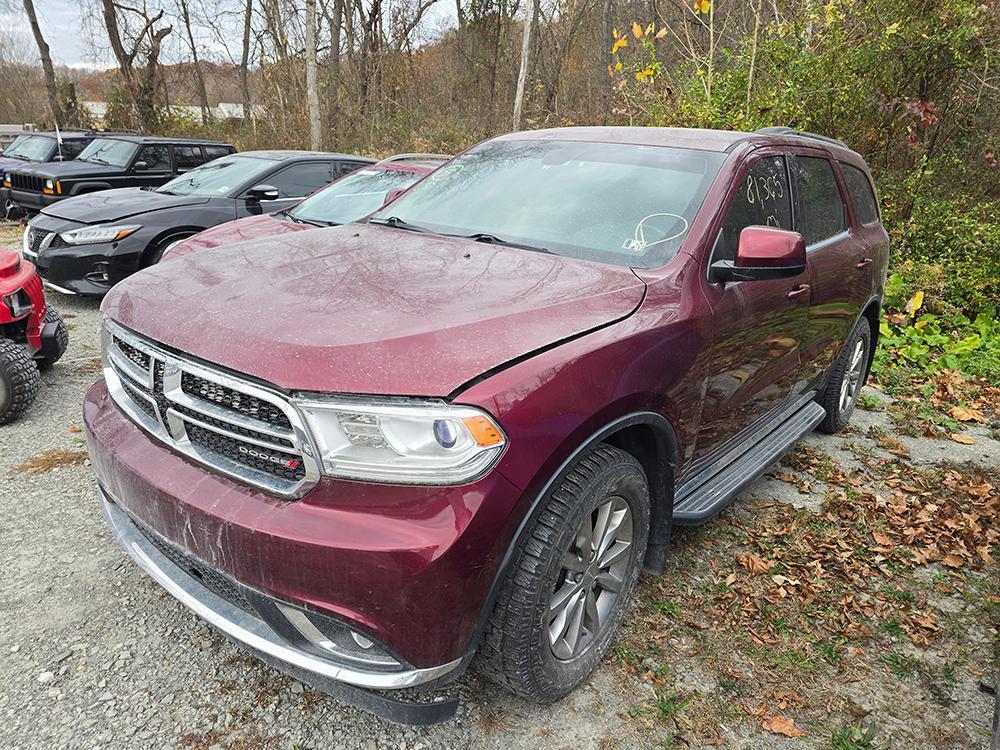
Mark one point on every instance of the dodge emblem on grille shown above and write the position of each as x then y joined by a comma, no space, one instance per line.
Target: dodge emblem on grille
290,463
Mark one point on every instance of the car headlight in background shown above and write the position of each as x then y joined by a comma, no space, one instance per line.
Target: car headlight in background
418,442
101,233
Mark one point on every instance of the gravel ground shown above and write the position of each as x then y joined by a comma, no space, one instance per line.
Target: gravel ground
95,655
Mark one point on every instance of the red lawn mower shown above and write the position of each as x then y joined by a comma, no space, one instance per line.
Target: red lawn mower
32,335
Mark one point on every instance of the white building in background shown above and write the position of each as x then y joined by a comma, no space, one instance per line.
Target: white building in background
221,111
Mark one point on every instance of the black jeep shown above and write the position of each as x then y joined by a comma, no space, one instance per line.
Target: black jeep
111,161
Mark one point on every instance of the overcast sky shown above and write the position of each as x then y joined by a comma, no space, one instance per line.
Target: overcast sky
68,28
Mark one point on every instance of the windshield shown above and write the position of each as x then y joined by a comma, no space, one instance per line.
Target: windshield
109,151
352,197
30,148
614,203
217,177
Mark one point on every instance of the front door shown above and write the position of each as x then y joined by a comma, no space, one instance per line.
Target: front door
755,363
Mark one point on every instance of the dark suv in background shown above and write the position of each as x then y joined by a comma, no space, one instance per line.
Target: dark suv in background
87,244
107,162
464,427
37,148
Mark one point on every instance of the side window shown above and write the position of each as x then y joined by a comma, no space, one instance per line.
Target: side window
72,149
299,180
346,167
187,157
214,152
861,193
762,199
156,157
820,211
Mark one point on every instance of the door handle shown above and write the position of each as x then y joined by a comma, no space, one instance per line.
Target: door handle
799,290
864,263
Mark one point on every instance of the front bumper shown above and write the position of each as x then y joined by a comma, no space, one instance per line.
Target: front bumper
82,269
409,568
31,201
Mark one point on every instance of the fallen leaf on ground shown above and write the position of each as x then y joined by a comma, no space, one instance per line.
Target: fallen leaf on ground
963,439
952,561
754,564
781,725
964,414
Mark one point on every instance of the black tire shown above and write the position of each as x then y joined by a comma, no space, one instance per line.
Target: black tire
837,414
62,339
517,651
153,255
19,380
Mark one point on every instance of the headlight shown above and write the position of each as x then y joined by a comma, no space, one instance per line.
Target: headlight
106,233
49,184
420,442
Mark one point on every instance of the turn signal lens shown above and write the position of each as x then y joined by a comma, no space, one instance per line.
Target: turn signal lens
483,431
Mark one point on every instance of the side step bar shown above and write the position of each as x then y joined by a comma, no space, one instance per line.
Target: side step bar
702,497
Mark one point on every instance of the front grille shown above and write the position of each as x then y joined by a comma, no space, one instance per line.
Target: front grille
27,182
238,428
220,585
240,402
35,240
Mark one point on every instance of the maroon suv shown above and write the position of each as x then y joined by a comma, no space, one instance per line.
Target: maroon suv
465,426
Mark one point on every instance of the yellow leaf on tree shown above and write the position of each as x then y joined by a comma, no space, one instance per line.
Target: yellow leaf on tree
636,30
915,302
618,65
703,6
619,43
615,33
649,29
661,33
643,74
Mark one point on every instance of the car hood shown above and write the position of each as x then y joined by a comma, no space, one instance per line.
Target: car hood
121,203
63,169
9,162
368,309
241,230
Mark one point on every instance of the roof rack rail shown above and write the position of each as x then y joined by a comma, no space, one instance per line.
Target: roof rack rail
781,130
413,157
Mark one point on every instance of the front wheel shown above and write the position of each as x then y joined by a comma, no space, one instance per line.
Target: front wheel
846,378
570,582
19,380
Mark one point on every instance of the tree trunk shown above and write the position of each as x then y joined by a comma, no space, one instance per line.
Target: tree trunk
333,88
199,77
245,61
312,89
522,75
50,75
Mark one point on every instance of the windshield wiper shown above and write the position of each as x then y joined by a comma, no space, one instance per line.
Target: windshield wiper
492,239
396,223
303,220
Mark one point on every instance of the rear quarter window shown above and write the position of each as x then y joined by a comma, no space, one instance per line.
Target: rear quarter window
820,209
860,190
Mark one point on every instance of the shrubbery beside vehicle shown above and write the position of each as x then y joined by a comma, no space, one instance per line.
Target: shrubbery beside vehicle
87,244
465,426
348,199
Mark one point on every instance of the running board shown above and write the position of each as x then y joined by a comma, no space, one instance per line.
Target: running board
701,498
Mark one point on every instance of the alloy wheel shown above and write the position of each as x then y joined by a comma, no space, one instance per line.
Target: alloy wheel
591,579
852,378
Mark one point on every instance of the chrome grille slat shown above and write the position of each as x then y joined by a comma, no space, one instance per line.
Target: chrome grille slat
221,429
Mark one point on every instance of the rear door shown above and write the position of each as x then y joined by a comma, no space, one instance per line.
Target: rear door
839,289
754,362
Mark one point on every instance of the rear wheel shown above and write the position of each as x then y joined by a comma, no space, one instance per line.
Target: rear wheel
62,339
846,379
19,380
570,582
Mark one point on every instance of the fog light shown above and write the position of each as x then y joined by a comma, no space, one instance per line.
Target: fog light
361,640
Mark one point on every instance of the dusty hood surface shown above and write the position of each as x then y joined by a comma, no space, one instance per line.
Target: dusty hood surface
368,309
64,169
120,203
240,230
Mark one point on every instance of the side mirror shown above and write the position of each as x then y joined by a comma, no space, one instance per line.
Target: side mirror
262,193
393,194
763,253
140,166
